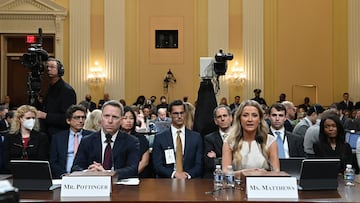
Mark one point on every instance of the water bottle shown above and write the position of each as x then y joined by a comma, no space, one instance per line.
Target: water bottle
230,178
349,175
218,178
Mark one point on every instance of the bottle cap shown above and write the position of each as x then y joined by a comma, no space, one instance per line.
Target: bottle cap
348,166
218,166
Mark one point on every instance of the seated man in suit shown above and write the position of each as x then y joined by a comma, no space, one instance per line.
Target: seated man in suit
109,148
289,144
177,152
214,141
65,144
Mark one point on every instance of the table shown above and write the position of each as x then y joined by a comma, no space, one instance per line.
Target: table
196,190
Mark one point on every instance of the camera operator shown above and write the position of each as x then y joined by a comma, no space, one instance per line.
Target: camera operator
58,98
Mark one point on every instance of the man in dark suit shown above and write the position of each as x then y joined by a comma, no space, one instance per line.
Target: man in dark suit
102,101
59,97
92,104
214,141
346,104
289,144
64,144
168,160
110,148
236,103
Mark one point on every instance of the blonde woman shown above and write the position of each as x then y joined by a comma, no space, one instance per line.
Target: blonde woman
189,115
24,140
93,121
248,145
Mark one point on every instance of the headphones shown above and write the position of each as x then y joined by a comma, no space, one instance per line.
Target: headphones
60,66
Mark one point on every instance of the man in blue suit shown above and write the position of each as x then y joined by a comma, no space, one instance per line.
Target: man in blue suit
93,153
64,144
167,161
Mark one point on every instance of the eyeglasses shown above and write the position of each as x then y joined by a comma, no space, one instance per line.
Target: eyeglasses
79,117
178,113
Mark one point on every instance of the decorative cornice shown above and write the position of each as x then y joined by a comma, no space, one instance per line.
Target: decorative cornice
14,4
31,7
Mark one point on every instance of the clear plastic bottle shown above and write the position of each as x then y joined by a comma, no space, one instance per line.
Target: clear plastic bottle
349,175
230,178
218,178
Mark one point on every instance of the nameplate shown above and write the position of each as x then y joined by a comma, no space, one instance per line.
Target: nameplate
86,186
271,188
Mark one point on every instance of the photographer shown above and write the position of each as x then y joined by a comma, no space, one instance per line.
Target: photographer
59,97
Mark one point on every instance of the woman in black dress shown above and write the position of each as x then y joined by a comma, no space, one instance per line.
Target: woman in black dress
128,126
331,142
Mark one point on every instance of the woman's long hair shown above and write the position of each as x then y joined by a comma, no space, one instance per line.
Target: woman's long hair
19,113
236,132
340,137
129,109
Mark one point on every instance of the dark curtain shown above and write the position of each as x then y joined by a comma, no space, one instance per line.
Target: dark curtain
205,105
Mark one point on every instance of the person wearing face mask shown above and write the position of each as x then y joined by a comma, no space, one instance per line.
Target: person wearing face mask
163,103
24,140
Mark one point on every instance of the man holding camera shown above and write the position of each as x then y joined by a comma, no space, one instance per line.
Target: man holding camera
58,98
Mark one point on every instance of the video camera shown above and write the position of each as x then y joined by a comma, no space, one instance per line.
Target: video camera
220,65
35,60
211,69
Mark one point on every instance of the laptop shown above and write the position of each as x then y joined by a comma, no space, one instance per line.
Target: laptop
291,166
32,175
319,174
352,138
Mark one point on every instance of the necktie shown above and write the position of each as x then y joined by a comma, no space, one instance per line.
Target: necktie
179,155
107,163
76,143
280,145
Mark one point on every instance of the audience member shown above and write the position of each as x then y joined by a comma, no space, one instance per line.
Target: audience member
289,144
92,104
109,148
64,144
102,101
59,97
152,103
332,141
128,126
312,133
123,102
3,111
8,103
259,99
306,105
346,104
189,115
140,102
223,101
5,124
213,142
282,98
24,140
236,103
311,117
177,152
290,115
163,103
93,121
248,145
162,122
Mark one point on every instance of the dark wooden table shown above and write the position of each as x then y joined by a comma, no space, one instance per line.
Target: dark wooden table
196,190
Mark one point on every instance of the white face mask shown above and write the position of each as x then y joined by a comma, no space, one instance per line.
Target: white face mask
28,123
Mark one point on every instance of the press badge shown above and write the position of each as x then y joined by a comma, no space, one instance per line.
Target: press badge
169,156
